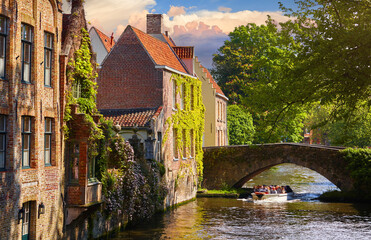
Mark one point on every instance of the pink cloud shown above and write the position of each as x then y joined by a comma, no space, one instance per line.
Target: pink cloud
175,11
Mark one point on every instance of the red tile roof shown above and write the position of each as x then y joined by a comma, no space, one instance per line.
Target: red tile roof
139,117
184,52
215,85
169,40
160,51
107,41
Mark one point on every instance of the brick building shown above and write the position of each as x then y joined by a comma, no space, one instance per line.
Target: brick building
137,91
31,169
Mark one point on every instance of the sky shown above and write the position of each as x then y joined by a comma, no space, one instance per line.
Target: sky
204,24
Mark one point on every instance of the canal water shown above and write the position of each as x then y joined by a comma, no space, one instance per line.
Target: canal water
301,218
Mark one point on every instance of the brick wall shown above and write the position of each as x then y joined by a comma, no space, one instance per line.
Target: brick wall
128,78
40,183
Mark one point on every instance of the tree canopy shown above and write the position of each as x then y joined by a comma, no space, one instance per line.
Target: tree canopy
278,71
240,126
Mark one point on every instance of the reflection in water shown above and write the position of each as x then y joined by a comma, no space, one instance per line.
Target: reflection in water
240,219
235,219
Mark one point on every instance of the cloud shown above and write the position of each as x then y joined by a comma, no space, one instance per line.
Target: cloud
175,11
112,13
224,9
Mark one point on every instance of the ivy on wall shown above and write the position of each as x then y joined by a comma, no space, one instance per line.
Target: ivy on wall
187,119
83,90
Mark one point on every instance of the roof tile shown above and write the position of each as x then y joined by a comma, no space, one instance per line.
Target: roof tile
139,117
160,51
107,42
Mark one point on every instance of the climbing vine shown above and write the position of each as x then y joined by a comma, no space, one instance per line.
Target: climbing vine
188,117
83,88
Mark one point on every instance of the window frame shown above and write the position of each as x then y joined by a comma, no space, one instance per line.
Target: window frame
3,135
48,134
26,134
184,154
182,96
48,49
30,44
4,34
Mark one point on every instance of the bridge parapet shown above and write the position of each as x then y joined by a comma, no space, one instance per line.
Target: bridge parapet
235,165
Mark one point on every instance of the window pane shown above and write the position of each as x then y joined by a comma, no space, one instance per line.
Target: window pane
48,58
175,144
184,144
27,53
2,159
2,142
26,33
47,77
48,125
47,142
26,142
174,94
26,73
26,124
2,123
2,46
48,40
47,156
3,25
26,161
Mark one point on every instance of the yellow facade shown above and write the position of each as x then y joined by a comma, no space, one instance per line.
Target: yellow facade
215,102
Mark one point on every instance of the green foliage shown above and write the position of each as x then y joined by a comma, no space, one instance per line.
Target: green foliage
359,163
240,126
189,118
334,63
254,68
353,132
81,73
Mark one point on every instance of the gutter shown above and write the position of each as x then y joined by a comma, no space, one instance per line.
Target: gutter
174,71
222,96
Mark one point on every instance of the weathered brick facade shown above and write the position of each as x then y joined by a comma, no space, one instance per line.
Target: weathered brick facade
38,184
137,74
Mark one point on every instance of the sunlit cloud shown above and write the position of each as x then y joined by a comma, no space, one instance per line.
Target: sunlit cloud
175,11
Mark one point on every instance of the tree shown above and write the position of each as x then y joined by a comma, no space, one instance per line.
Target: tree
334,63
240,126
254,68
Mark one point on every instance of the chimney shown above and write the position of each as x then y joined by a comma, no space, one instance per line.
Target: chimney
111,39
154,24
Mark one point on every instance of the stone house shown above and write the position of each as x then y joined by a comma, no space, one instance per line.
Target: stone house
143,84
216,131
101,43
31,167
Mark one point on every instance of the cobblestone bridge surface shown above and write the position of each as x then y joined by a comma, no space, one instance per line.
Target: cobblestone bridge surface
235,165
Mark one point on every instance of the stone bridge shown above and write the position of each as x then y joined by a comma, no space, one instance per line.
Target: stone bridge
235,165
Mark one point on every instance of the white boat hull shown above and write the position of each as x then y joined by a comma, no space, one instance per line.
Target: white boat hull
273,197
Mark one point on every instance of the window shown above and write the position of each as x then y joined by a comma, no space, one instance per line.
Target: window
184,144
192,98
26,52
76,90
182,96
26,220
2,141
174,95
3,40
26,141
48,58
47,141
175,144
91,169
74,162
191,147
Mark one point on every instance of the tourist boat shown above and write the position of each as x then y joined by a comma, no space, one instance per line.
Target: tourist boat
273,196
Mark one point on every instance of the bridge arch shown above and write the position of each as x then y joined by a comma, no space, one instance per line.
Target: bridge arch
235,165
